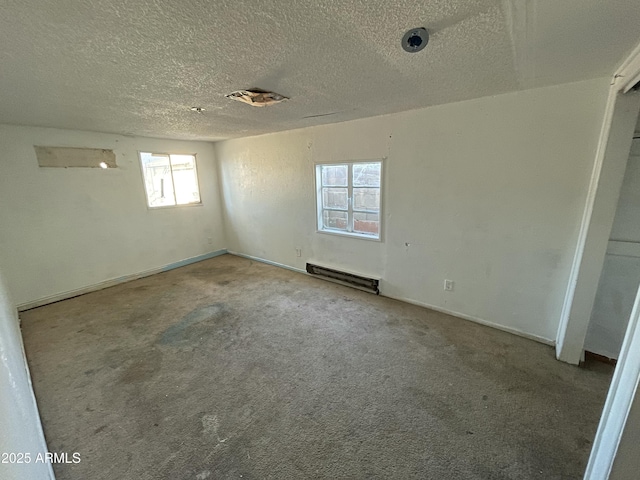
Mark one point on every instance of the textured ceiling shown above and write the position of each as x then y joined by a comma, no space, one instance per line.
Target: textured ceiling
136,66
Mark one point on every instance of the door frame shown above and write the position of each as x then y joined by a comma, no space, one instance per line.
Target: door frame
622,391
614,145
602,199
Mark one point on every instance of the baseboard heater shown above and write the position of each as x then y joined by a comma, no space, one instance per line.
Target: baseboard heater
345,278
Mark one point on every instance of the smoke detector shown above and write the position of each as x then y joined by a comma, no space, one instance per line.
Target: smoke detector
415,40
257,97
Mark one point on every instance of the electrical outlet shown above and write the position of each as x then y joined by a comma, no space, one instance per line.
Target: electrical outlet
448,285
298,251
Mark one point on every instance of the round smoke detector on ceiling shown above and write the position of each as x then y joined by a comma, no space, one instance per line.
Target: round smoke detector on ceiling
415,40
197,109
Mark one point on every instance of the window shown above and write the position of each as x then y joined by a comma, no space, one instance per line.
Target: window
348,198
170,179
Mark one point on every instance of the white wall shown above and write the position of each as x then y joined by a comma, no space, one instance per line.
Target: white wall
65,229
626,224
615,447
621,271
614,144
488,193
627,462
20,427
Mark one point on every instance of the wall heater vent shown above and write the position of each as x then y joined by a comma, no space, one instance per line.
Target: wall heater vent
345,278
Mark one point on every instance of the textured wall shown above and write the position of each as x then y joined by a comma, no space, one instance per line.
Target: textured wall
488,193
19,419
64,229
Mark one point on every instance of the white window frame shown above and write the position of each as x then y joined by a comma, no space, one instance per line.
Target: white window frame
168,154
319,208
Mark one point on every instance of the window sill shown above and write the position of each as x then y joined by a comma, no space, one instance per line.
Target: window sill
349,235
165,207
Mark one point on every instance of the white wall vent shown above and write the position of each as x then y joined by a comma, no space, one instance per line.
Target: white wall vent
70,157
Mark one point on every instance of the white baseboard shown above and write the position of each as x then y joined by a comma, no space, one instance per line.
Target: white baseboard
268,262
127,278
514,331
115,281
481,321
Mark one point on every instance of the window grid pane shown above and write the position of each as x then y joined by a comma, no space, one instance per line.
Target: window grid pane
157,179
366,199
334,219
334,175
185,179
366,174
335,198
368,223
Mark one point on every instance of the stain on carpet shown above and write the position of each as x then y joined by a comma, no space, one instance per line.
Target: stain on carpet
191,326
142,369
210,426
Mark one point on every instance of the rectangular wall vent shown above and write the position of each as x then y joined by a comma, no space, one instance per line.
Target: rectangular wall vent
345,278
72,157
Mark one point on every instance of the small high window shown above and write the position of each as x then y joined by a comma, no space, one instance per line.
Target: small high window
349,198
170,179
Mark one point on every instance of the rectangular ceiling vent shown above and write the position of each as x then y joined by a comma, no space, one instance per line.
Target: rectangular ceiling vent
345,278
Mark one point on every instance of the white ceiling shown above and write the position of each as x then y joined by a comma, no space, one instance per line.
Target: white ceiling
136,66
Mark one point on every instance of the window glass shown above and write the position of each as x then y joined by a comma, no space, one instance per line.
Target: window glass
170,179
335,198
157,179
349,198
185,179
366,174
335,219
334,175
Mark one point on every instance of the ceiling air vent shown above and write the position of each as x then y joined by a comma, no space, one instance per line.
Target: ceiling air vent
257,97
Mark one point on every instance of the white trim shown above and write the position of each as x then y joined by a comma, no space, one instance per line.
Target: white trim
612,155
625,77
627,373
339,233
462,316
628,73
166,207
115,281
619,400
585,223
268,262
